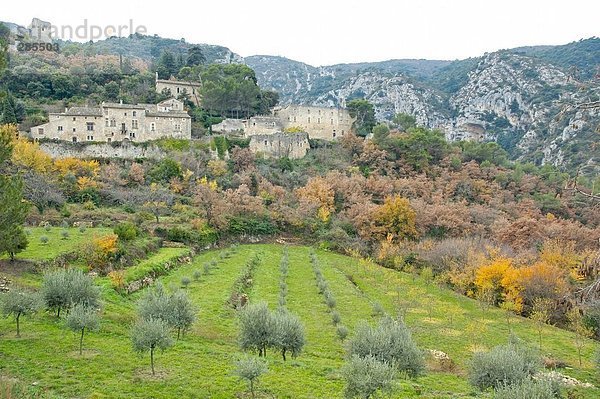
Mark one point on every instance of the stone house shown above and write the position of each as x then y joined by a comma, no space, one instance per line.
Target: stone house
279,145
177,88
319,122
117,122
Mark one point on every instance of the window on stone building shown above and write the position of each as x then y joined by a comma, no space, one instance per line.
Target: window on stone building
319,120
342,132
134,114
90,126
74,130
109,140
74,139
41,130
74,119
294,119
113,123
332,121
265,142
334,133
123,127
132,135
309,119
90,138
60,128
134,124
152,127
106,122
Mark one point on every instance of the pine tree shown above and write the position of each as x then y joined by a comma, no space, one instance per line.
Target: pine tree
13,208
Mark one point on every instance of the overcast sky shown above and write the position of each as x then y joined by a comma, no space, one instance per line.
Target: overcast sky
322,32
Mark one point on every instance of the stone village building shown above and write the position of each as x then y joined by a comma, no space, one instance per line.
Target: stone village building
176,88
319,122
117,122
279,145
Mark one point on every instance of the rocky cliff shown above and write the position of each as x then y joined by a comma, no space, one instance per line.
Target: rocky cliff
530,100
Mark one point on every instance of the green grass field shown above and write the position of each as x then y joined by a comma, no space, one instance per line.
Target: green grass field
56,245
201,364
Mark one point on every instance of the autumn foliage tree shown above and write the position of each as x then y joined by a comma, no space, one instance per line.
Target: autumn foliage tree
395,218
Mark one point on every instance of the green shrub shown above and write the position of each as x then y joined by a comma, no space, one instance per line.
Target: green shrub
197,275
251,226
503,365
44,240
64,234
126,231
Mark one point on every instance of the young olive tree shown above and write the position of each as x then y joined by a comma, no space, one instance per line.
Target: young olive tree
289,334
250,369
182,312
389,342
148,335
257,328
62,289
365,376
503,365
155,305
19,303
80,319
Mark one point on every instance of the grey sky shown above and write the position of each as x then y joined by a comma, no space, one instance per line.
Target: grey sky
322,32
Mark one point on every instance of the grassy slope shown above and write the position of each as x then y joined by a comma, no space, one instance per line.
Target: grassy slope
56,245
200,365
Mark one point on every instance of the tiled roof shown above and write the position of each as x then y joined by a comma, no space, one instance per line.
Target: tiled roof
83,111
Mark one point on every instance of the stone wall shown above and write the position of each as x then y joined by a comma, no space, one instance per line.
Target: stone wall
101,150
279,145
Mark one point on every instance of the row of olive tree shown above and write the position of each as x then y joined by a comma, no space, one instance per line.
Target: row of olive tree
69,289
323,287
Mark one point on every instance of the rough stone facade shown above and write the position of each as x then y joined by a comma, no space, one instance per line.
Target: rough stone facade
319,122
124,150
229,126
177,88
117,122
279,145
262,125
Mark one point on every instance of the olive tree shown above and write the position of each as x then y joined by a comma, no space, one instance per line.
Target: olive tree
80,319
389,342
289,333
62,289
250,369
181,312
365,376
257,328
530,388
176,310
155,305
19,303
148,335
503,365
